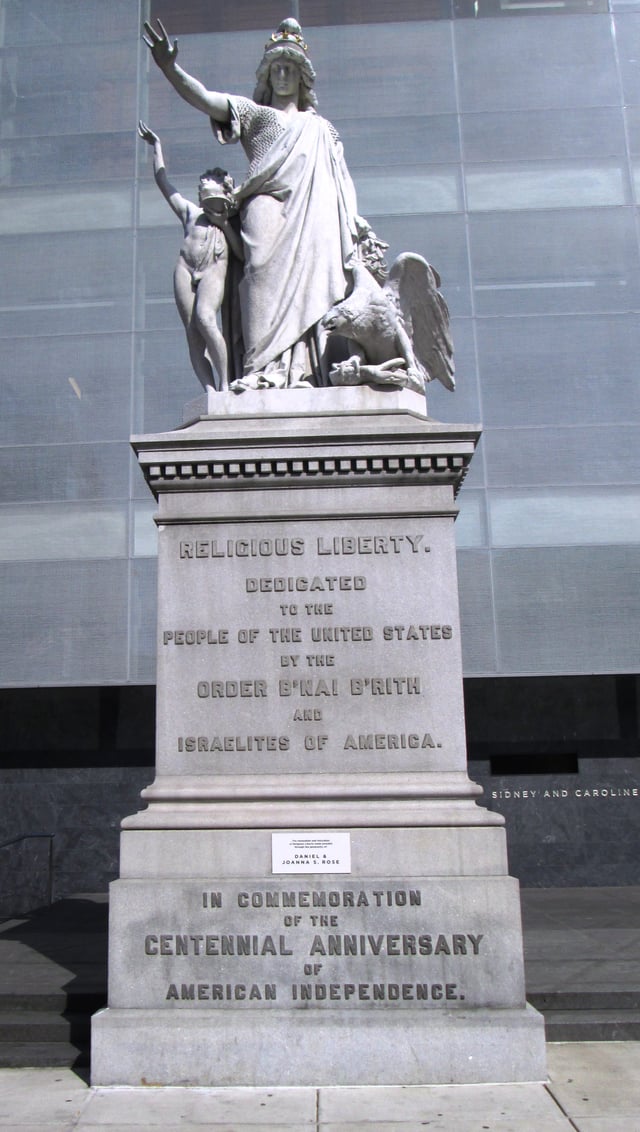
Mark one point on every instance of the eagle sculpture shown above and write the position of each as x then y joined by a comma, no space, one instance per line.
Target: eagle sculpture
400,326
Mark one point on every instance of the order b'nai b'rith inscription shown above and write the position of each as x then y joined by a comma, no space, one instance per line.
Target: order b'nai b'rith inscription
333,646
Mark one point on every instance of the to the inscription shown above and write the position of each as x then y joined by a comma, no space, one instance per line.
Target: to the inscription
335,642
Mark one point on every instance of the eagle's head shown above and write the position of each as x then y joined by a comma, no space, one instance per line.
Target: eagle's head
339,319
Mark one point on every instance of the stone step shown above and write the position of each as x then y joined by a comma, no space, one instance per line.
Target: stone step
592,1025
82,1002
41,1026
605,999
42,1055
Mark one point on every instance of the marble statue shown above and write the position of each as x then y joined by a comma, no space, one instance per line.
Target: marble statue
306,249
401,327
200,274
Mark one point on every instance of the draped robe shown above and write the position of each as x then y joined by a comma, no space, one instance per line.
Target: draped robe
297,215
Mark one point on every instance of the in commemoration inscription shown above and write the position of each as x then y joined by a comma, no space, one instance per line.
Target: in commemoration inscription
366,944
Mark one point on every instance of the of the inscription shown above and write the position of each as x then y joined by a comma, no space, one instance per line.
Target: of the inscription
309,944
310,638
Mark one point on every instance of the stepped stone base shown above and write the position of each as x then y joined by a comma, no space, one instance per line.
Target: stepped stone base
385,977
285,1049
312,895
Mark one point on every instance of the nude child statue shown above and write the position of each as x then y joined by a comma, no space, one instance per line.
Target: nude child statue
200,273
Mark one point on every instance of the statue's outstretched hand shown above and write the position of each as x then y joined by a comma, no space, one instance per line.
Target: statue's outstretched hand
146,134
164,52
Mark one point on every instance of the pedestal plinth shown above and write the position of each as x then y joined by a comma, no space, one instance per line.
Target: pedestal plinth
313,895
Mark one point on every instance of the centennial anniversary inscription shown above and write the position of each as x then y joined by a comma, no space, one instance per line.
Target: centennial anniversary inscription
368,946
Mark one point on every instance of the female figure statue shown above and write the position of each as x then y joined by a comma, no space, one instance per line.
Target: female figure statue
297,207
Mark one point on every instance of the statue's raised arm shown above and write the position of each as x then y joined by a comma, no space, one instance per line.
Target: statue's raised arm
305,248
165,54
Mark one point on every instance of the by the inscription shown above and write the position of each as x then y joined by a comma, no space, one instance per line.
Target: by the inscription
350,666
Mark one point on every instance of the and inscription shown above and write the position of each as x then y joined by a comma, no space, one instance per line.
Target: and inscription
274,665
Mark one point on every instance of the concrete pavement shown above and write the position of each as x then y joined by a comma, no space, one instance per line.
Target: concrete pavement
592,1087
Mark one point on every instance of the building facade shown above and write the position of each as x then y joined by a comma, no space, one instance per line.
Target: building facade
500,140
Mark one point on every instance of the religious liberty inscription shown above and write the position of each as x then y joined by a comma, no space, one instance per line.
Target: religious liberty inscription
328,649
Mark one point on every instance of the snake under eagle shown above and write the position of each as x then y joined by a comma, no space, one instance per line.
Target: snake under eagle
400,326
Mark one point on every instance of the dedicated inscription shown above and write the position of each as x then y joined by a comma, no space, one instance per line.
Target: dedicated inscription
293,632
303,584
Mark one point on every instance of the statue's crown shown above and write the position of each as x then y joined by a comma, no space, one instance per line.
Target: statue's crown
288,34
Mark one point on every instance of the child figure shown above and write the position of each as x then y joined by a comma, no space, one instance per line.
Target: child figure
200,273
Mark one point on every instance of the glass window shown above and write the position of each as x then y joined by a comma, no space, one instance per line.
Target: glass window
73,388
67,210
471,523
532,135
67,21
552,61
476,613
562,516
571,370
567,609
549,185
144,573
72,531
554,262
145,531
66,622
407,191
66,284
64,472
627,27
600,454
64,89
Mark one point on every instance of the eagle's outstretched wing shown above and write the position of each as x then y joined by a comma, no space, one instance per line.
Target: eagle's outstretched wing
412,285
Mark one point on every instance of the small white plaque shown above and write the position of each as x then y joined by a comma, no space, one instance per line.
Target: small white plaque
315,851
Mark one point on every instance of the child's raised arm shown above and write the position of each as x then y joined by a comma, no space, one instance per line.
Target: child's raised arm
180,205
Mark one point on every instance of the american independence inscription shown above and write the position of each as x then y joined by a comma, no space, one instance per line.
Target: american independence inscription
364,944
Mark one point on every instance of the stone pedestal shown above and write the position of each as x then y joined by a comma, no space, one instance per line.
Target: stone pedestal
313,895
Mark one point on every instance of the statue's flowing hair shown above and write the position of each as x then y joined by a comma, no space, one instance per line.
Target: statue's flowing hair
307,98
